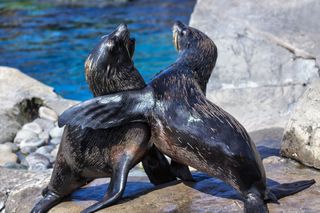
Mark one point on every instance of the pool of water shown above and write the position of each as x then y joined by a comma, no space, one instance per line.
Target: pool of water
50,39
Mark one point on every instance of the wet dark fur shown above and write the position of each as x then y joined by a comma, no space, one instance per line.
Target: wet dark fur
191,129
85,154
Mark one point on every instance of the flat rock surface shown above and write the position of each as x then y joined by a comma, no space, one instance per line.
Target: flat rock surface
268,52
205,195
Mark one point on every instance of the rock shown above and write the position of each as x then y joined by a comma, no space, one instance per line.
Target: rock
22,187
11,165
21,96
24,135
45,150
49,114
44,136
301,140
56,132
13,147
28,149
268,52
54,152
32,127
55,141
34,142
5,148
7,157
38,162
46,125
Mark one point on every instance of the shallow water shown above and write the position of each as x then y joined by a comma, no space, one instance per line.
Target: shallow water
50,40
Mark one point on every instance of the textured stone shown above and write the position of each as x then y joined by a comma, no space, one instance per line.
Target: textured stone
33,127
301,140
7,157
20,97
56,132
55,141
268,52
13,147
44,150
54,152
24,135
47,113
38,162
34,142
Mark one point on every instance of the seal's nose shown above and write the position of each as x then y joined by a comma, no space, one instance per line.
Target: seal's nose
122,28
179,26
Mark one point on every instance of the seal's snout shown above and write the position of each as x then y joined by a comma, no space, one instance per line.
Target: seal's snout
122,30
179,26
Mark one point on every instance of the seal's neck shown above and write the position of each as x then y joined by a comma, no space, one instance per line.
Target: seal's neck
113,79
199,62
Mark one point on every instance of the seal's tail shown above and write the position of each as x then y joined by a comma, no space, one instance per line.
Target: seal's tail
286,189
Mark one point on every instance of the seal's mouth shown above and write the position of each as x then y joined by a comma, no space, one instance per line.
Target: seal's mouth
177,29
123,34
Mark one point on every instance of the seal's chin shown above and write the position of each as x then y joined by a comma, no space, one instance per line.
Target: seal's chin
176,40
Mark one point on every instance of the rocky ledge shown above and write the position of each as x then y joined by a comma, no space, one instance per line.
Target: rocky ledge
205,195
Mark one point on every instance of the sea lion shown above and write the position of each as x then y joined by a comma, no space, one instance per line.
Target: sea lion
85,154
193,130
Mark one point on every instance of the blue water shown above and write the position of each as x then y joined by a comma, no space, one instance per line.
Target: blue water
50,39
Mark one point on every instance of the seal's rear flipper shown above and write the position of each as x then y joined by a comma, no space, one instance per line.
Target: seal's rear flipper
181,171
286,189
157,167
110,110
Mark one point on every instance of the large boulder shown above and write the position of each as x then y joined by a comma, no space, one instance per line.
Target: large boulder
301,140
268,52
21,96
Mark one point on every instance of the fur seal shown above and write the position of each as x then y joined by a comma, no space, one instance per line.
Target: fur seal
85,154
193,130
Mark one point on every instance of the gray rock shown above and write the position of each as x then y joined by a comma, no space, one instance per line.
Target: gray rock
34,142
54,152
301,140
28,149
33,127
24,135
47,113
45,150
5,148
55,141
56,132
20,97
46,125
13,147
44,136
11,165
7,157
267,53
38,162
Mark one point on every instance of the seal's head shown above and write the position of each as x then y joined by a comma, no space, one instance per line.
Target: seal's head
110,63
114,50
196,50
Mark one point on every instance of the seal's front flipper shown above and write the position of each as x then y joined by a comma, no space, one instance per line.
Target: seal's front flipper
286,189
49,200
181,171
110,110
157,167
116,186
